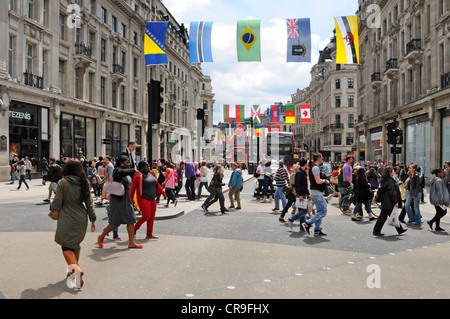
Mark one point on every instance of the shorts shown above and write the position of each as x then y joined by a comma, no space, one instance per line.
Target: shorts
52,187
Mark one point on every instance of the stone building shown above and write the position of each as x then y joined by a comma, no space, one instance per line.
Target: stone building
73,81
404,73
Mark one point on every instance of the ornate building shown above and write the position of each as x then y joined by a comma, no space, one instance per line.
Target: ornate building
404,73
73,81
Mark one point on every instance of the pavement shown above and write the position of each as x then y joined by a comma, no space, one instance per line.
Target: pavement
37,191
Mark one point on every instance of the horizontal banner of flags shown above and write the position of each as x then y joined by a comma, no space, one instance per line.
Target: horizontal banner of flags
248,41
274,113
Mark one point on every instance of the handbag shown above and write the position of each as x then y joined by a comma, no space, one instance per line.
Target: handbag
115,188
287,190
393,218
328,190
55,214
212,189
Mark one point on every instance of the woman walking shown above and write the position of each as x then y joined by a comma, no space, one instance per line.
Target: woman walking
169,184
439,197
362,191
74,200
217,182
203,179
147,188
390,198
22,175
415,194
121,207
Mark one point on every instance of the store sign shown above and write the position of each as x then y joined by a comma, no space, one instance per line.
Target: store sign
20,115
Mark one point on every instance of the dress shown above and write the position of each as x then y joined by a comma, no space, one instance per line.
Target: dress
73,216
121,207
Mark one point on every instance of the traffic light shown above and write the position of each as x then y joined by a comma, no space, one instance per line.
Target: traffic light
391,133
398,136
201,117
155,101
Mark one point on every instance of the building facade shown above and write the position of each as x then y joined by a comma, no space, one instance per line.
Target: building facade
404,73
73,81
332,97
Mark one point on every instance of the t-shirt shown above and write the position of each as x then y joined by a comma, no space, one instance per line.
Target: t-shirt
316,171
149,186
109,169
261,169
347,171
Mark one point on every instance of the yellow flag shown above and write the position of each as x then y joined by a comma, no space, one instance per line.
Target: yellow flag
347,41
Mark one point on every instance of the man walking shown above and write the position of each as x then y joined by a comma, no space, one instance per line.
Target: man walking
318,183
190,180
129,152
235,184
302,194
53,176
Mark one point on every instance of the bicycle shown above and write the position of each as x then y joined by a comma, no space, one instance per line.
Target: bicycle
346,201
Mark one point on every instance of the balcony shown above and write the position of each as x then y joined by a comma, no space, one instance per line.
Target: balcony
118,73
326,128
337,126
83,55
376,81
445,80
33,80
392,69
414,52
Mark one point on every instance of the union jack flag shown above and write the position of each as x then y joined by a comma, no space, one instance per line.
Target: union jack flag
292,26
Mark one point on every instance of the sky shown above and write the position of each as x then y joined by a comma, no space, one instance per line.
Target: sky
273,79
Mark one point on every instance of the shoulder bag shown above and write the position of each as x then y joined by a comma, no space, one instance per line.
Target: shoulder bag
55,214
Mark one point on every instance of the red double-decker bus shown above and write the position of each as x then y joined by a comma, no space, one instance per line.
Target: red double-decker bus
280,146
238,155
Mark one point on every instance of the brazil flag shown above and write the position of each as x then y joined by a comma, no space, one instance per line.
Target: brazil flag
248,42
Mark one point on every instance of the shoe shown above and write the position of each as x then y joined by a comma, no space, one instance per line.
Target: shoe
152,237
226,210
319,233
356,219
117,238
176,202
373,218
290,223
430,224
281,219
306,226
166,205
238,207
265,200
275,209
231,207
377,233
402,231
46,200
439,229
204,209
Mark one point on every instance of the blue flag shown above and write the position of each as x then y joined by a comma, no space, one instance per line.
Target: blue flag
155,43
298,40
200,41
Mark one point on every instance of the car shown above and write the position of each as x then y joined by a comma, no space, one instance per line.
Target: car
274,166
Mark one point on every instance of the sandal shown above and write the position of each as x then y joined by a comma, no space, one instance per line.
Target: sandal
74,277
136,246
100,245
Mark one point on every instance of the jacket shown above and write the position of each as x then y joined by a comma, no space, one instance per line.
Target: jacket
414,185
390,194
217,180
301,183
73,216
54,173
236,180
438,192
362,190
136,187
169,175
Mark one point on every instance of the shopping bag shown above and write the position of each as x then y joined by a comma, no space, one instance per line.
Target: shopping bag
393,218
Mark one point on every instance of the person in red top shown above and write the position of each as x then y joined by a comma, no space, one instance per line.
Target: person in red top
147,188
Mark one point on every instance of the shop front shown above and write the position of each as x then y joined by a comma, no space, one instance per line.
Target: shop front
78,138
445,146
418,143
28,132
117,134
376,145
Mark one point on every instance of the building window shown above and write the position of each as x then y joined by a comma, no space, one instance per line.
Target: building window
349,139
351,120
114,24
122,98
11,55
62,71
135,67
45,13
135,38
29,58
30,9
124,30
77,83
338,101
91,87
102,90
134,101
62,26
350,83
12,5
114,94
103,50
103,15
93,7
351,101
337,139
338,84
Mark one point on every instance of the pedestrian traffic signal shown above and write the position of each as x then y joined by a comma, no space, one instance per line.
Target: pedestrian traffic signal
155,101
391,128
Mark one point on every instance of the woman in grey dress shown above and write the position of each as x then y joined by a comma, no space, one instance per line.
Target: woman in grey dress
121,207
75,204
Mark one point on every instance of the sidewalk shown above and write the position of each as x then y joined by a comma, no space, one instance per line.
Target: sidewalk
38,192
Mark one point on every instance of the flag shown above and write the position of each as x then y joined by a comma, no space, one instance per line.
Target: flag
258,131
306,113
298,40
274,113
240,113
226,113
347,41
256,113
248,42
155,43
200,42
290,113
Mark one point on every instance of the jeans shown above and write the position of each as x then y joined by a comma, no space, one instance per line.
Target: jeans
219,196
290,200
268,183
261,185
358,206
205,184
22,179
414,216
190,189
170,192
321,208
301,214
279,194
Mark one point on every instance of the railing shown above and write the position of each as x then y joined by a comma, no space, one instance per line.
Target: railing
392,64
84,50
376,77
117,68
33,80
337,125
326,128
414,45
445,80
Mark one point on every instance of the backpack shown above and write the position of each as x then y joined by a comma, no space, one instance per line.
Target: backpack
379,195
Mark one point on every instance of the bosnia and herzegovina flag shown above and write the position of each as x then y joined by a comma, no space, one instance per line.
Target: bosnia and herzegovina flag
298,40
347,40
155,43
248,42
200,41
